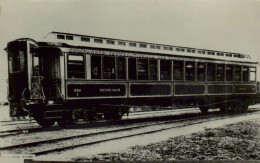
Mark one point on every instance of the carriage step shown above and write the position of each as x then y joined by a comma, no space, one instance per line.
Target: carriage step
55,114
52,111
57,117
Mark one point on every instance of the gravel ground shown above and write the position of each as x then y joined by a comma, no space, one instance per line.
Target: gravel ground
238,141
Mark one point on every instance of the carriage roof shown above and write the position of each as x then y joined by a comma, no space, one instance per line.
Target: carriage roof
78,40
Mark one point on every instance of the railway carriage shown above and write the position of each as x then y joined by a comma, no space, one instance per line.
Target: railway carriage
70,76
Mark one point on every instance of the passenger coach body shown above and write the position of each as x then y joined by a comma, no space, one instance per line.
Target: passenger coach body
77,76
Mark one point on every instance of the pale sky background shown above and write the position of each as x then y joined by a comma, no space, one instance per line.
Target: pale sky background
225,25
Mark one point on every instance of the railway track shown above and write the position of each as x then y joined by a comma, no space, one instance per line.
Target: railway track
129,120
30,129
34,147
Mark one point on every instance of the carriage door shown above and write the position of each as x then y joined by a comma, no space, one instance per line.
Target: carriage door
51,73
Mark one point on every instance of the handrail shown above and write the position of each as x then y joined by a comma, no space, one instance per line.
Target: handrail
60,92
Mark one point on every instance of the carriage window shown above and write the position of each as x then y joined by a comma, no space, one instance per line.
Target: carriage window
98,41
121,43
165,48
178,70
69,37
211,72
252,74
142,69
245,73
201,69
237,73
86,39
132,68
229,73
111,42
153,69
132,44
220,72
165,67
60,37
36,68
152,46
142,45
96,67
76,68
121,71
189,71
109,71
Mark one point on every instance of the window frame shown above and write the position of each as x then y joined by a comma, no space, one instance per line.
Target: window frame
101,67
240,73
117,68
227,74
205,71
170,73
149,69
138,69
248,72
84,65
213,73
255,74
185,71
218,72
182,73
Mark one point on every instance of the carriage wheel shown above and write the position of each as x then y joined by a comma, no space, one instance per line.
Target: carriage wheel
39,117
65,121
224,108
244,108
113,116
204,109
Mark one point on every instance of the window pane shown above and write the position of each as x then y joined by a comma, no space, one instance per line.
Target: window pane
69,37
132,44
76,68
189,71
60,37
245,73
252,74
86,39
165,67
121,71
229,73
132,68
153,69
201,69
96,67
36,68
211,72
142,69
177,70
237,73
220,72
109,68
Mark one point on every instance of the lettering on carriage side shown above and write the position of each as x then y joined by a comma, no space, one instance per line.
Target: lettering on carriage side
242,88
109,90
77,91
127,54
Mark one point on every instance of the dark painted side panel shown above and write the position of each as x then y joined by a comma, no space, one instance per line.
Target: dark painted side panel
189,89
96,90
218,89
149,89
245,89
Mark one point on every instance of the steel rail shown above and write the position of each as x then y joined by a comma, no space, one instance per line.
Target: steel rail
204,119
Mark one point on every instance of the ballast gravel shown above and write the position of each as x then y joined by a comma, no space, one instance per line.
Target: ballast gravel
240,141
